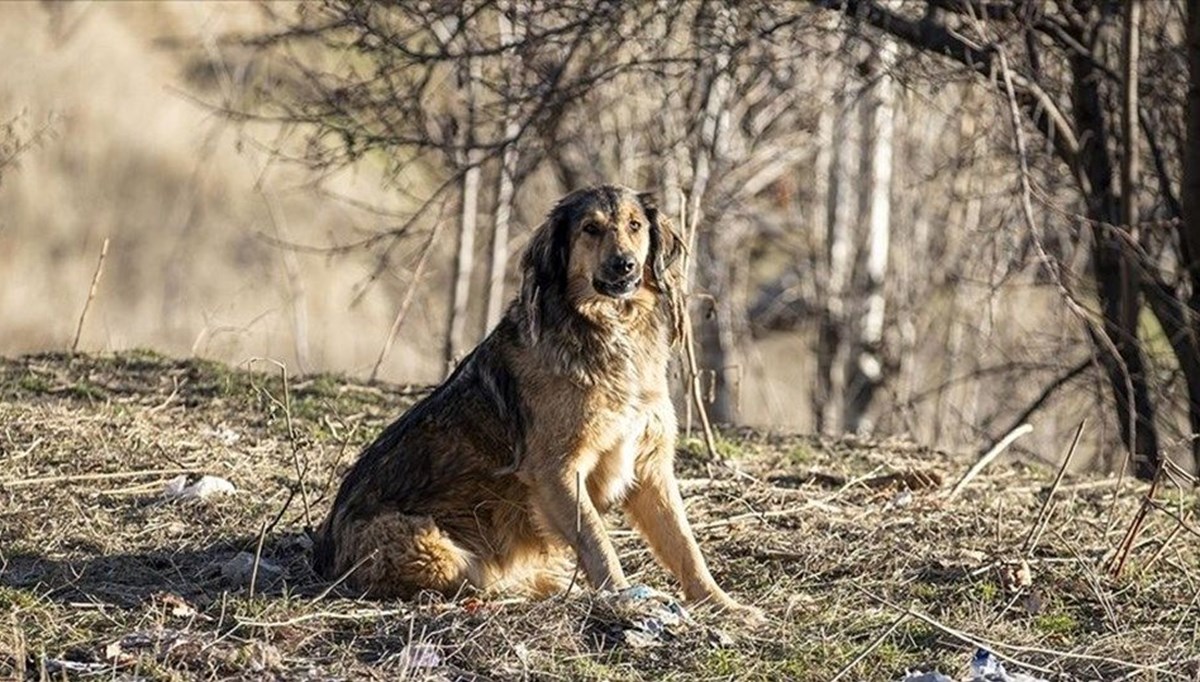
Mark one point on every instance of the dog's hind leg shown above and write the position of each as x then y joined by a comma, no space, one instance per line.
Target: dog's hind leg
398,555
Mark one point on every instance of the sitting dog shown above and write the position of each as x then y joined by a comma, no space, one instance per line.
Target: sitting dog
560,413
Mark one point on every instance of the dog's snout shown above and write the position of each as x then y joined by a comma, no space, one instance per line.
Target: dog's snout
622,264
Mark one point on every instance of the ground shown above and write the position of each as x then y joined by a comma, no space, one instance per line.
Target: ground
851,547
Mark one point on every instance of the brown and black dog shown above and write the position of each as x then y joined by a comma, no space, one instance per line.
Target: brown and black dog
562,412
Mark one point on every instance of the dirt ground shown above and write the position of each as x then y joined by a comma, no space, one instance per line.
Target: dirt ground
863,566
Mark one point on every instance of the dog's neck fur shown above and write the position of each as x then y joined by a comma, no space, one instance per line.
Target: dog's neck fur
596,340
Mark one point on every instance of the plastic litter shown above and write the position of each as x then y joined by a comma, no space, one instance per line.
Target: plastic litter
418,656
985,667
926,677
640,617
178,488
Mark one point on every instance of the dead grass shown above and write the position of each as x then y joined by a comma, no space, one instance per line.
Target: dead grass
101,577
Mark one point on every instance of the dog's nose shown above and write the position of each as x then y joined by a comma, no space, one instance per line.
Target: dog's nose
622,264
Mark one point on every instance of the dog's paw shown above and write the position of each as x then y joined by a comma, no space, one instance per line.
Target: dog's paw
748,616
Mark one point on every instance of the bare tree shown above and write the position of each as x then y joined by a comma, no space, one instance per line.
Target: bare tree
866,372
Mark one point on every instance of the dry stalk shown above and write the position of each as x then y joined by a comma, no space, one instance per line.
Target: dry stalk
870,647
79,478
91,295
262,535
1043,517
689,339
987,458
578,529
342,578
996,647
1117,563
402,312
286,406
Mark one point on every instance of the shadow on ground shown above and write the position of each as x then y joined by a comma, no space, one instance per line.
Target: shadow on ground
200,576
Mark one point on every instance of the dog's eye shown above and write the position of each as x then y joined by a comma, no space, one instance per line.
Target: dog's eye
594,229
634,226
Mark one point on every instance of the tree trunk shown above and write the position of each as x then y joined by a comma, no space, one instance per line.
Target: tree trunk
1190,225
465,256
1117,281
865,373
505,191
832,352
713,250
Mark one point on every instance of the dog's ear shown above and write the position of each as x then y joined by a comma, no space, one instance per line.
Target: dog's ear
665,249
544,267
665,245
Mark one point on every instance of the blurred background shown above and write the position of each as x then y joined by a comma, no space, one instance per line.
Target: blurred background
873,250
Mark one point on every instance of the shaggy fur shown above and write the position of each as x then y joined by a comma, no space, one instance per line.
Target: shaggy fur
502,474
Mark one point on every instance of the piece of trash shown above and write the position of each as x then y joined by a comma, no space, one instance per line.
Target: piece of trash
935,676
175,605
640,617
1016,575
985,667
420,656
155,643
719,639
239,570
179,488
225,435
54,665
901,499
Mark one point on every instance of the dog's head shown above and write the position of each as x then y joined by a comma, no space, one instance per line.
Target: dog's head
600,246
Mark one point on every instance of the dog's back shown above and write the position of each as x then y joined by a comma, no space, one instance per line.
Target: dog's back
438,455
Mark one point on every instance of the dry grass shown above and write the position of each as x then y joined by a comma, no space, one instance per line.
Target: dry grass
818,533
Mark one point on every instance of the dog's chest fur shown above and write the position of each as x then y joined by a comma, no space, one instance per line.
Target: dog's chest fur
613,390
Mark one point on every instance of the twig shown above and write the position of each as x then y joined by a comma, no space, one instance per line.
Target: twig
342,578
1117,563
987,458
286,404
994,646
1043,517
578,530
78,478
689,339
1178,520
402,312
91,295
262,535
870,647
362,614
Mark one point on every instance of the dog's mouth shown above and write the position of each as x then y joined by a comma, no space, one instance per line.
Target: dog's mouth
620,288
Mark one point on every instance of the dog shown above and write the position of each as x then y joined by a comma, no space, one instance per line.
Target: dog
504,471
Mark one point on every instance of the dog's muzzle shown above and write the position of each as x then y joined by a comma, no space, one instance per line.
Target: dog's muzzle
619,288
619,277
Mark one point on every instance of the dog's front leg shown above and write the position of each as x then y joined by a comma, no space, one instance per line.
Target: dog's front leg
563,500
655,508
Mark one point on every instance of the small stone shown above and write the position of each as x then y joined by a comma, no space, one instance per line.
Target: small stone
240,569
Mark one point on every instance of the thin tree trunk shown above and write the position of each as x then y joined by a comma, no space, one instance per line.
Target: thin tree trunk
832,351
1190,225
465,255
822,182
1117,281
866,370
711,265
505,191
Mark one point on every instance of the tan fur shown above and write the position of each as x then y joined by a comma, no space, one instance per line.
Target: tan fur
480,483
